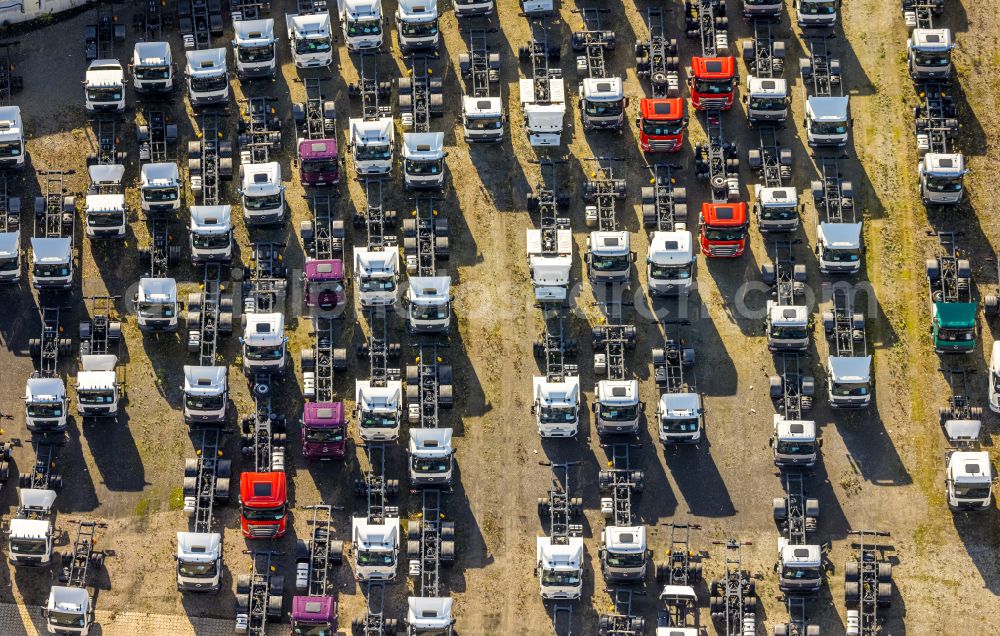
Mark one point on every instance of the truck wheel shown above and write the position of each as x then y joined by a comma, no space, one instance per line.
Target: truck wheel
336,552
852,571
242,603
243,584
884,572
274,606
852,592
413,549
390,626
191,467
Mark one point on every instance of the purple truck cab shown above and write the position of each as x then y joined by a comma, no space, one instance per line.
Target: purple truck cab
319,164
314,616
324,284
324,430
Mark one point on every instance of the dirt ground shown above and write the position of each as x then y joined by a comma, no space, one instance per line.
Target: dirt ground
880,470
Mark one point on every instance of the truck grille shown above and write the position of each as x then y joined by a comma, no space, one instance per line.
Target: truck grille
662,146
713,103
264,532
723,251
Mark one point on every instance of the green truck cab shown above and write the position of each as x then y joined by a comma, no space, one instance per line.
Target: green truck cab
953,327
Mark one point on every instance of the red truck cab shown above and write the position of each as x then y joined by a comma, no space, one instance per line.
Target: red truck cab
712,81
661,124
724,229
263,505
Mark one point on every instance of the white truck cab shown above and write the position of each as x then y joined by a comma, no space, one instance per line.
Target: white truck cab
994,388
417,25
98,391
483,119
609,257
602,103
211,233
787,327
969,476
156,304
680,418
152,68
10,257
941,178
929,53
376,276
431,454
556,406
849,382
160,187
800,568
617,407
550,267
104,87
838,248
372,145
543,118
45,405
559,567
816,14
429,616
624,553
207,77
670,263
52,263
767,99
254,48
423,160
379,410
264,343
199,561
262,193
68,611
32,528
206,394
361,21
11,137
827,121
375,548
533,8
311,39
776,209
428,304
795,443
105,215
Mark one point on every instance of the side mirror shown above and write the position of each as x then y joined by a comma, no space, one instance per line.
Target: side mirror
744,99
627,102
770,442
638,121
819,443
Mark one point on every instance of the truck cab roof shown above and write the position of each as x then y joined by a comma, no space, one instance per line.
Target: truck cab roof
36,499
199,546
962,431
609,243
956,315
767,86
787,430
847,369
783,196
10,122
312,25
430,290
423,146
430,443
106,175
711,68
252,32
428,613
45,388
324,270
211,219
787,315
159,174
671,248
378,398
944,164
10,244
29,528
105,73
204,380
320,414
970,467
69,599
317,148
845,236
565,556
565,393
105,202
931,40
375,535
832,109
680,404
378,131
801,555
618,391
161,289
368,263
662,108
206,62
151,54
260,179
264,330
98,372
482,106
602,89
417,10
724,214
52,250
625,539
263,489
358,9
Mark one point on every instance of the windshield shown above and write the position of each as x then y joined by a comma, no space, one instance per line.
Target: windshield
603,109
842,255
107,94
656,128
421,30
814,7
102,396
266,202
931,59
314,166
423,168
210,241
971,491
372,152
263,53
197,570
568,579
799,573
305,46
356,28
789,333
152,72
796,447
619,413
669,272
29,547
8,264
713,87
209,84
377,284
944,184
45,410
264,514
371,419
485,122
436,466
828,128
10,149
724,234
311,628
105,218
850,389
784,213
631,560
956,335
610,263
557,414
156,310
205,402
687,425
50,270
157,194
429,312
767,103
322,435
375,558
65,619
264,352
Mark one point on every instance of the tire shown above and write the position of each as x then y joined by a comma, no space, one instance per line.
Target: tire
852,571
852,592
274,606
884,572
243,584
242,603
